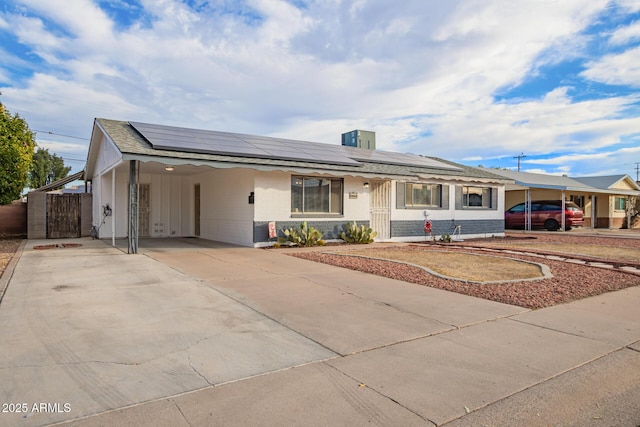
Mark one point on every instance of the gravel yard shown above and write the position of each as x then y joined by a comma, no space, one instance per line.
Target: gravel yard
7,248
570,281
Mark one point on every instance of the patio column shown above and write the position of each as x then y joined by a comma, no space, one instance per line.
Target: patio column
134,175
113,207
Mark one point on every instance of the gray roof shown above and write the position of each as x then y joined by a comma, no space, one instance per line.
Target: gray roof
606,182
78,176
134,146
565,183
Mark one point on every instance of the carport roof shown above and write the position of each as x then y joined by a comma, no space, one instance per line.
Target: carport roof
564,183
134,146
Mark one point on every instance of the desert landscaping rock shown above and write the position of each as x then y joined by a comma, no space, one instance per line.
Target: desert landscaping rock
570,282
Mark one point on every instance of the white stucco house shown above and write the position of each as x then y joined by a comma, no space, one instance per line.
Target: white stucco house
161,181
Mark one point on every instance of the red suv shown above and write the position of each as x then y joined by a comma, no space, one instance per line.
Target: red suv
545,213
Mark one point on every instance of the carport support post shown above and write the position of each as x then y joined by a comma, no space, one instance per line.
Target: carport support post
113,207
527,210
134,174
562,216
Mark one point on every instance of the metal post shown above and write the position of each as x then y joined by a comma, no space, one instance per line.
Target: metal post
564,228
527,209
134,173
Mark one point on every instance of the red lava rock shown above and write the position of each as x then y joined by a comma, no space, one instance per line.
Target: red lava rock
570,282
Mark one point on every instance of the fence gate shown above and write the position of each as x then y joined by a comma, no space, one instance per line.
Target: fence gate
63,216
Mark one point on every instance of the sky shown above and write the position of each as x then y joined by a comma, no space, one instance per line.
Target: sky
476,82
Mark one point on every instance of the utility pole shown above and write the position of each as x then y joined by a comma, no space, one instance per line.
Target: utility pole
521,156
637,171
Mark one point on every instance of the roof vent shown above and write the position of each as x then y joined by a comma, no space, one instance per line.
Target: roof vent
360,139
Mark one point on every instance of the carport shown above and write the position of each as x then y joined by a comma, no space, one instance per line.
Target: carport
598,197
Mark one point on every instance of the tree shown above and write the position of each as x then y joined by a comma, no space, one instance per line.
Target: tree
46,168
16,151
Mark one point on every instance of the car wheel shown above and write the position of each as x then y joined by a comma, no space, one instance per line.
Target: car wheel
551,225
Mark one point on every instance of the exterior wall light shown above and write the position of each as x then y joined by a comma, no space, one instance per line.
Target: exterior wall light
168,168
366,185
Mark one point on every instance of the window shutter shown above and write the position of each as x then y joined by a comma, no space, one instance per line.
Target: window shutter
400,195
444,197
494,198
458,197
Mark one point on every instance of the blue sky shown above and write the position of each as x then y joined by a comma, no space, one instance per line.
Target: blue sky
477,82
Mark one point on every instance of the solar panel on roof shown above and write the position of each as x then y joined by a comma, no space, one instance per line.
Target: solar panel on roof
224,143
199,141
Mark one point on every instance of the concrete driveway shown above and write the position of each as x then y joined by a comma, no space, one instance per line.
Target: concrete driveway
195,333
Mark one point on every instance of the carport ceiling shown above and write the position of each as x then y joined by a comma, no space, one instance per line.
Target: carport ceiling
181,170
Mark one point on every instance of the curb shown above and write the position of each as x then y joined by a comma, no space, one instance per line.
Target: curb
8,272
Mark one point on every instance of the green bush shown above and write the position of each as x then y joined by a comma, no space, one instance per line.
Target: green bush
304,236
446,238
355,234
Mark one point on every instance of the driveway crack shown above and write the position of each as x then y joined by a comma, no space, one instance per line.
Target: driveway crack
181,413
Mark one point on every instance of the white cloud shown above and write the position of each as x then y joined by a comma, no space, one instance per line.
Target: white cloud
421,74
617,69
626,34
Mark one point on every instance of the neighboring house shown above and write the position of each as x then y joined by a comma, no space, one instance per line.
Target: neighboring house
162,181
620,188
603,198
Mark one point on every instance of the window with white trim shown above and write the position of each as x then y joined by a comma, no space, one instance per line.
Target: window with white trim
418,195
476,197
315,195
620,203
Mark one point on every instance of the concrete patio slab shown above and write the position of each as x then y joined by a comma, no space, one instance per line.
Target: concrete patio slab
635,346
605,392
445,376
613,317
99,329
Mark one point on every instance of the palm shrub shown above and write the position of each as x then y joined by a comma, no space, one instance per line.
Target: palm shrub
358,234
304,236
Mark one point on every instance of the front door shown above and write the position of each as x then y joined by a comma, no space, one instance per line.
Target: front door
379,204
144,210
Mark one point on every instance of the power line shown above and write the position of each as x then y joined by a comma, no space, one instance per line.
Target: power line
59,134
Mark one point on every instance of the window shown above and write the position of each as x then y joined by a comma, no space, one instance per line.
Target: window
311,195
476,197
620,204
423,195
578,200
518,208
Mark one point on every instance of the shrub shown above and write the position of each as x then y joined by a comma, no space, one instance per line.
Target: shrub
446,238
355,234
304,236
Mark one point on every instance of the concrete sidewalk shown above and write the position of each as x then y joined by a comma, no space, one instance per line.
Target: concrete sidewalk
195,333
